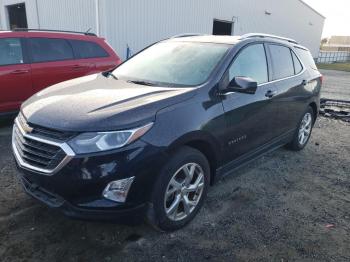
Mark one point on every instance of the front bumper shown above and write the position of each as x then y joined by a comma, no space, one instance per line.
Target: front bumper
101,210
77,188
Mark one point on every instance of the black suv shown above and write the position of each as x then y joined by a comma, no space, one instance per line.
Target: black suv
148,138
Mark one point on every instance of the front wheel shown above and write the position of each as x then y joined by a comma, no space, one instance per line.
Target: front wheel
303,132
180,190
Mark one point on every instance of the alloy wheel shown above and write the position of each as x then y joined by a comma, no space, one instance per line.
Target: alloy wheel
305,129
184,191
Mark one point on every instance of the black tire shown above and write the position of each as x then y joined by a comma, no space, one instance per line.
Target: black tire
295,144
156,214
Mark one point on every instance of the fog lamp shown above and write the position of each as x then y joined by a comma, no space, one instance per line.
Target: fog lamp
118,190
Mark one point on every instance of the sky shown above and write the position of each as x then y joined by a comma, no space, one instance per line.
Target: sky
337,13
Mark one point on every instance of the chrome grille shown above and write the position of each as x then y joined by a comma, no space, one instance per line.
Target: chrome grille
34,152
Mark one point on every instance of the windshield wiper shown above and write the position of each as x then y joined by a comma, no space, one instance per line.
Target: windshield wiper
140,82
108,74
112,75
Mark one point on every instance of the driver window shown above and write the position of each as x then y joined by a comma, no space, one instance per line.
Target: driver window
251,62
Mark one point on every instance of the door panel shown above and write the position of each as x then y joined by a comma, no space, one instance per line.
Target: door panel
289,104
16,86
288,80
105,64
15,75
248,116
50,73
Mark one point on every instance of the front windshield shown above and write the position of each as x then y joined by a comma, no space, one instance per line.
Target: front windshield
173,64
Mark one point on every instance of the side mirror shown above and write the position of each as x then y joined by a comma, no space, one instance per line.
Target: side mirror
243,85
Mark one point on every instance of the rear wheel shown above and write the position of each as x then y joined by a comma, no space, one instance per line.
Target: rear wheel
180,190
303,132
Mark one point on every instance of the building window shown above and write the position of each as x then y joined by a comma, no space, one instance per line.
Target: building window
221,27
17,16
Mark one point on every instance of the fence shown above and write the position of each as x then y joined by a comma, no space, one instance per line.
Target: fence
333,56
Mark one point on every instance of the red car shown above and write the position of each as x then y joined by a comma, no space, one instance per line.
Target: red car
33,60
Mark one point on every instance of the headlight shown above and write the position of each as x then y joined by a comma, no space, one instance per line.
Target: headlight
102,141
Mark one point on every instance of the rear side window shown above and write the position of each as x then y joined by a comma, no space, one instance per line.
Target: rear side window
306,57
10,51
50,49
297,65
282,61
250,62
86,49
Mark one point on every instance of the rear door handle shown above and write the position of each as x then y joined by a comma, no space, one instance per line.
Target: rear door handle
270,93
78,66
19,71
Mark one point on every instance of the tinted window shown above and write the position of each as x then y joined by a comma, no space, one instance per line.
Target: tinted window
282,61
85,49
297,65
173,63
306,57
49,49
10,51
251,62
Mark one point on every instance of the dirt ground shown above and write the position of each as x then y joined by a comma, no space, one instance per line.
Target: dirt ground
286,206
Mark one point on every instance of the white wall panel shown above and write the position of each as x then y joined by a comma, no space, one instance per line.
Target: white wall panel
76,15
139,23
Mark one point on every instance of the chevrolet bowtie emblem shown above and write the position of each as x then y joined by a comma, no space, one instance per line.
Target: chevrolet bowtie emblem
27,128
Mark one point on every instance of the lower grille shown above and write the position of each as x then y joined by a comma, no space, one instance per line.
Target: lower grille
36,153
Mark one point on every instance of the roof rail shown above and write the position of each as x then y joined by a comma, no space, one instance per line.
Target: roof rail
186,35
51,30
269,36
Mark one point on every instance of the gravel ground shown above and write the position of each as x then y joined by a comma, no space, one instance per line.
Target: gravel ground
286,206
336,85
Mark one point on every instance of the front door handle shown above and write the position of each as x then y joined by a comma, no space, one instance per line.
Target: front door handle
304,82
270,93
19,72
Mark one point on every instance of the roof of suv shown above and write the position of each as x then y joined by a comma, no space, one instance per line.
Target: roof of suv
227,39
220,39
50,33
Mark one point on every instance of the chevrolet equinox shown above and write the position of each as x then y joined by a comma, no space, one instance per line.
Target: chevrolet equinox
148,138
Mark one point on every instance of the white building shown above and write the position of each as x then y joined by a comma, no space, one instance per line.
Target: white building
138,23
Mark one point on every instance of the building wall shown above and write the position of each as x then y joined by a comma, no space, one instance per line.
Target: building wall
138,23
339,40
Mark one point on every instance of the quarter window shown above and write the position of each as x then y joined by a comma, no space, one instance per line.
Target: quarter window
251,62
297,65
282,61
306,57
85,49
50,49
10,51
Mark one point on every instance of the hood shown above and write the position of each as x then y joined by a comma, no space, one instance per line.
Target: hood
97,103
